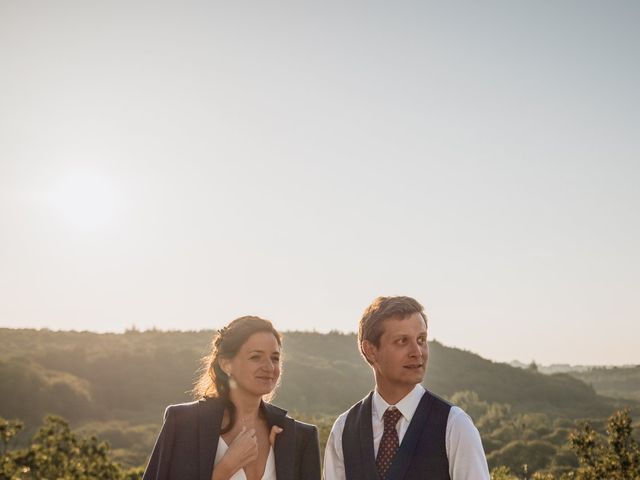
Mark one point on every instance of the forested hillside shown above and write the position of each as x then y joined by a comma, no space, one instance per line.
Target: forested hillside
117,385
623,382
619,381
88,375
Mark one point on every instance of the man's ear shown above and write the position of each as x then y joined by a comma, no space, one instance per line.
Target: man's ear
370,351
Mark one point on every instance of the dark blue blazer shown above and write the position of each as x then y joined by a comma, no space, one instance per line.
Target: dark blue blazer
187,444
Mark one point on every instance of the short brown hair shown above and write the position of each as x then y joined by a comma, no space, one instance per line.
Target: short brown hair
370,327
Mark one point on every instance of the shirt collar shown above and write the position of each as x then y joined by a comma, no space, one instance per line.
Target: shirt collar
407,405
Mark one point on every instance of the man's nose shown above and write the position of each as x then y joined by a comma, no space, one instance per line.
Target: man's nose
415,350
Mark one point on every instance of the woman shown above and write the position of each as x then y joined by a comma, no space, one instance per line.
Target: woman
231,433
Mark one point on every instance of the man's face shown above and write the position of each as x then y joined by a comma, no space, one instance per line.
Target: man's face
401,358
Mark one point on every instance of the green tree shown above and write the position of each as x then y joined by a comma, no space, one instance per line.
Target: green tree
8,430
502,473
616,458
57,453
523,457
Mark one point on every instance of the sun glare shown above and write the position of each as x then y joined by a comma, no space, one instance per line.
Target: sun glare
88,201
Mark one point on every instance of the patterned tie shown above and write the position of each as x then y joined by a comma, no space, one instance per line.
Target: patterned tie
389,443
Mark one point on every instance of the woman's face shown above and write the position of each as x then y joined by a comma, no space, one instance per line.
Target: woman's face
256,367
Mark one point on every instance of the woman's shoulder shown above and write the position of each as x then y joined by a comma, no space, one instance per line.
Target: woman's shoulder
305,427
188,409
302,429
275,411
179,410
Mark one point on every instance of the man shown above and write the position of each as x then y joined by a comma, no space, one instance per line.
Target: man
401,431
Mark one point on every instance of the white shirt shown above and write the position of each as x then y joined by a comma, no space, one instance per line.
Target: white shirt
462,440
269,468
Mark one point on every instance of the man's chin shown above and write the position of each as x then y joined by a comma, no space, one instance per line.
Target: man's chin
414,376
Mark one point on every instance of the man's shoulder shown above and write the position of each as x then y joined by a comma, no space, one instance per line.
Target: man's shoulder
338,425
438,399
437,405
458,416
460,424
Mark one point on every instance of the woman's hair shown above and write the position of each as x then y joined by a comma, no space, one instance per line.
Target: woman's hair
213,381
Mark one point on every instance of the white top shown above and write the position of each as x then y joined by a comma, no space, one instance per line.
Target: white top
269,468
464,446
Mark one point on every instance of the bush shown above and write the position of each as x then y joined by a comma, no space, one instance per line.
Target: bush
56,452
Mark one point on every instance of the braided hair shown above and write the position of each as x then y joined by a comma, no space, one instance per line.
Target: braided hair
213,382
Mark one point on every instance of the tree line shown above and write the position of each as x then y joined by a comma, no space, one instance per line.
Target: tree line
57,452
116,386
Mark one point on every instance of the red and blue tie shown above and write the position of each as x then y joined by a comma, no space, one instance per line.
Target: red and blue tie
389,443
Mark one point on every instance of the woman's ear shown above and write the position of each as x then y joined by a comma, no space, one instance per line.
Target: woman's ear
225,365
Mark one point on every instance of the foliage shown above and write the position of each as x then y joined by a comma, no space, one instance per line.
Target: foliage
623,382
502,473
487,416
116,386
616,458
536,455
136,374
8,430
57,453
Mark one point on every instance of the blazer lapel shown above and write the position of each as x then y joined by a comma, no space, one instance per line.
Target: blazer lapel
402,460
284,448
366,440
210,413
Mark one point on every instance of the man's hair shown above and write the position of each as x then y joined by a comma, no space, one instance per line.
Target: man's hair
371,323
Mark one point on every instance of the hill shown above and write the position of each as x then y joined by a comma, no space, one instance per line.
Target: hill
136,374
117,385
621,382
618,382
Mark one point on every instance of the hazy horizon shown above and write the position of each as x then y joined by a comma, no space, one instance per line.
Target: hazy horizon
134,328
178,165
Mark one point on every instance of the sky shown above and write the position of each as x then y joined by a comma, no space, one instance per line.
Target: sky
179,164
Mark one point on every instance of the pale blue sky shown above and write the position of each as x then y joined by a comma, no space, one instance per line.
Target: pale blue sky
178,164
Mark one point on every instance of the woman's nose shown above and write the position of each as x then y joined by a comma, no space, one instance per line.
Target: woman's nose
268,365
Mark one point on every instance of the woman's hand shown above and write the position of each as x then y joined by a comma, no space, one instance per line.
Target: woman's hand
242,451
275,430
